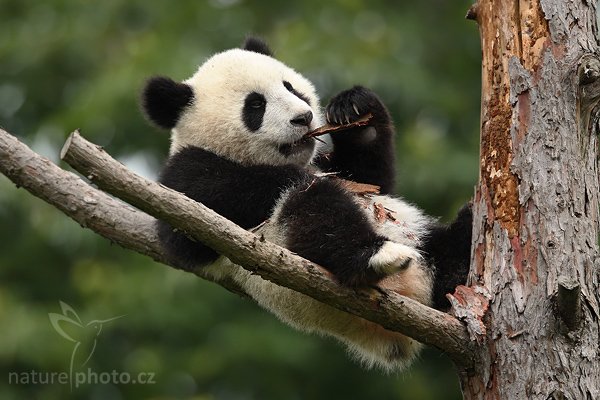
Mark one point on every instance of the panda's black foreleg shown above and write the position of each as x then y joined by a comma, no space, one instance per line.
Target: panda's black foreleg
448,248
184,252
363,154
324,224
242,194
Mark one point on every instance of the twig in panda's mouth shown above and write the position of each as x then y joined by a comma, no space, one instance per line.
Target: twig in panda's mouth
325,129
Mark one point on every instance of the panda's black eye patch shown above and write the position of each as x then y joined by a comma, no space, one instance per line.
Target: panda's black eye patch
296,93
255,105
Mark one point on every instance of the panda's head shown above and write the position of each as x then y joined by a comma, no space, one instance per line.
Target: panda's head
241,104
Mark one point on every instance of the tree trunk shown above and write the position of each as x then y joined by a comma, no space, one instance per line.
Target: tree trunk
536,206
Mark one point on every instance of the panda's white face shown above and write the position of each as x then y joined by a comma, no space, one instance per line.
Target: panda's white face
250,108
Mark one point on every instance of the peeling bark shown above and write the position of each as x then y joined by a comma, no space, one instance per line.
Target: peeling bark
536,205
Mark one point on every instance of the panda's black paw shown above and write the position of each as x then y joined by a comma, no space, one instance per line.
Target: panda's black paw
462,232
353,104
465,215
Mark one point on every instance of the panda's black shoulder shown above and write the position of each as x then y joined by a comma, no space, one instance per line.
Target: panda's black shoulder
191,162
245,194
184,168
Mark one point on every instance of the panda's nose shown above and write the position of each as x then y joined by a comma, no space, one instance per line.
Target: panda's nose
302,119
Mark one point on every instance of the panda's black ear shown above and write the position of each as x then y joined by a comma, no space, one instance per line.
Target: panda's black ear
257,45
164,100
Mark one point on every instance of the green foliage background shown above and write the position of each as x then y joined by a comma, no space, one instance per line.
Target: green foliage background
67,64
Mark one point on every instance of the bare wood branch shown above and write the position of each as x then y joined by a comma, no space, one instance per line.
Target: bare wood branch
91,208
100,212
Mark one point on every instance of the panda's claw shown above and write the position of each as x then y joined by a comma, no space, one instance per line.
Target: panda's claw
349,105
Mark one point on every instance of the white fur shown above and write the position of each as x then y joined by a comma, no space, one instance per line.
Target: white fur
367,342
392,257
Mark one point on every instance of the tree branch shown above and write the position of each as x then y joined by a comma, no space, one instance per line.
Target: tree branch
91,208
384,307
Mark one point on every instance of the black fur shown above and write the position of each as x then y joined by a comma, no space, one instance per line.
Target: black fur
243,194
163,100
357,155
257,45
323,224
448,248
255,106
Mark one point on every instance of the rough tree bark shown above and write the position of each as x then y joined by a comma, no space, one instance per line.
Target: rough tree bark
536,205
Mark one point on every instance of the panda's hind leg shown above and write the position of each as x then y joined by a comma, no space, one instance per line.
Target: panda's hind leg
448,248
323,223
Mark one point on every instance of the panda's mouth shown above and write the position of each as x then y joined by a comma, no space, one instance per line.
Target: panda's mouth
299,146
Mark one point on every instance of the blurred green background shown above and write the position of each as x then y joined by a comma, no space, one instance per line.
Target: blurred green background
79,64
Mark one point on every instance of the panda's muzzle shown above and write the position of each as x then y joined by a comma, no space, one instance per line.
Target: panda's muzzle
303,119
303,144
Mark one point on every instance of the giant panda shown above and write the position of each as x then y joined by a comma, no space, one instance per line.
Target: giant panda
238,146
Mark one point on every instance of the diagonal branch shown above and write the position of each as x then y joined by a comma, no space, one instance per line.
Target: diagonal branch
91,208
271,262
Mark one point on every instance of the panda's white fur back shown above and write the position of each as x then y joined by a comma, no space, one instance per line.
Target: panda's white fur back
366,341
